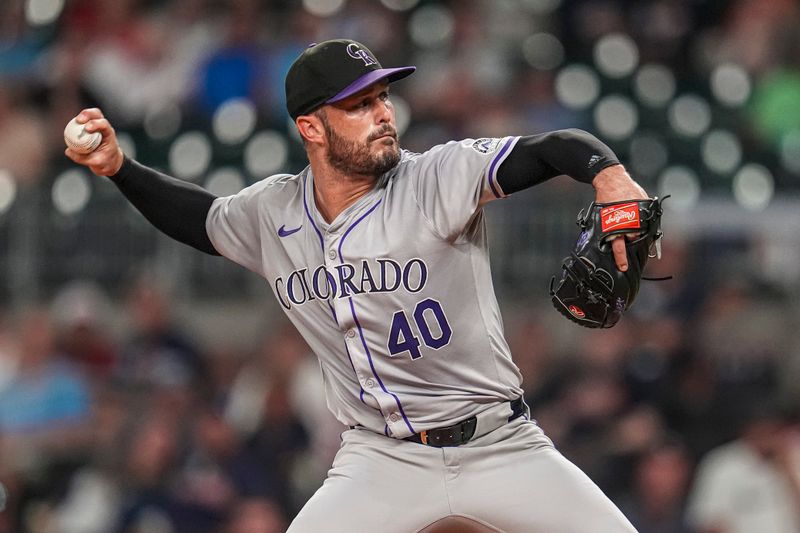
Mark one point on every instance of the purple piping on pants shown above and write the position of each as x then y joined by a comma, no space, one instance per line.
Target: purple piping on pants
358,324
494,163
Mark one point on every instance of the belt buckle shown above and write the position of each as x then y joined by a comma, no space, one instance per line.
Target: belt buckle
454,435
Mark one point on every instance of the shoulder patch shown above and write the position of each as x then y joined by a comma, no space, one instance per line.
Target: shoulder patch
485,145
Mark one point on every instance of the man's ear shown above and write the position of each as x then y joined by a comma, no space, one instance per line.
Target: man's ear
311,128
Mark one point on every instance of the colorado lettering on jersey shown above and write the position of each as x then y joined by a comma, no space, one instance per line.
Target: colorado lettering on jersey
346,279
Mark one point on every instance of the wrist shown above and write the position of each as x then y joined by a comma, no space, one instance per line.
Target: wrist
119,168
610,176
614,184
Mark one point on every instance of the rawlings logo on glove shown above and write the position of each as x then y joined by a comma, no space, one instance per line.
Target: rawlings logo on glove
591,290
620,216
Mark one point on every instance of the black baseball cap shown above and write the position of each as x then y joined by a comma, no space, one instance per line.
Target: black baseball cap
330,71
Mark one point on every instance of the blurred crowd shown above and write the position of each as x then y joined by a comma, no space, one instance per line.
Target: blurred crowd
685,413
162,67
151,432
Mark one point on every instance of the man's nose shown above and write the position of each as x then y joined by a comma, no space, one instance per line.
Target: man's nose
383,112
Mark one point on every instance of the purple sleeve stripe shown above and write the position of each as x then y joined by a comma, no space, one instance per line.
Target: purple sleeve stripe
496,164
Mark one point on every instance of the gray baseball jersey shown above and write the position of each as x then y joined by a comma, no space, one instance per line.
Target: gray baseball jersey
394,296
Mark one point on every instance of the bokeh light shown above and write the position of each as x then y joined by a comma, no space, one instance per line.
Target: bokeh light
616,55
71,191
8,190
654,85
225,181
162,121
190,155
43,12
234,120
721,151
689,115
753,187
265,153
731,84
543,51
431,26
323,8
577,86
683,186
616,116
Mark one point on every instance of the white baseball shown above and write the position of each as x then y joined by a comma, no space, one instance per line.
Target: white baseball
80,140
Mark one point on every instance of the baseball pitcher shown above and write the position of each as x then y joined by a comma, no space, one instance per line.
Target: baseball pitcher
379,257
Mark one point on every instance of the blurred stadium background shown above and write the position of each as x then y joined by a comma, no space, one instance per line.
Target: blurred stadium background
146,387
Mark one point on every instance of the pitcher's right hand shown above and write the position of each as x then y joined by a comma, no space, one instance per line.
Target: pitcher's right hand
107,158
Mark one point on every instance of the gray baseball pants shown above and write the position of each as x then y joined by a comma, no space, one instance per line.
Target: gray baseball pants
511,479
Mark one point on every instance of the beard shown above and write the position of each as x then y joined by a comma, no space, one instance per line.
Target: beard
352,157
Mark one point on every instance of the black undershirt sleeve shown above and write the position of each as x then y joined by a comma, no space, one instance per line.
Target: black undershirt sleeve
537,158
175,207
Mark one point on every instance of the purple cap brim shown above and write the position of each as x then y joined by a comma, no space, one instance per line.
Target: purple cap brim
373,76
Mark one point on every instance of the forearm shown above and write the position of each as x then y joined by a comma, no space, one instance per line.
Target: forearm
177,208
537,158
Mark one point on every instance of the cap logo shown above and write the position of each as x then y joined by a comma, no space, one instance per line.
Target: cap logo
355,52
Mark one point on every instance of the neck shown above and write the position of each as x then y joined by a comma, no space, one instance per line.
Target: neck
334,191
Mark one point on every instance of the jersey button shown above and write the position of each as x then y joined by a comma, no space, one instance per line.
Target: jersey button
369,383
393,417
332,254
351,333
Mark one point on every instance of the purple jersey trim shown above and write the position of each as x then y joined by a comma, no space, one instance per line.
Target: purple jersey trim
358,324
333,312
321,243
494,166
311,219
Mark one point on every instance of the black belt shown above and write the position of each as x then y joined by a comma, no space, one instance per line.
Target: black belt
460,433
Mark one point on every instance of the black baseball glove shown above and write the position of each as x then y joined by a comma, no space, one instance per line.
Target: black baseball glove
591,290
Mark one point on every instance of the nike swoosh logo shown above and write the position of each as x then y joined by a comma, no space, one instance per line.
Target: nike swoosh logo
283,232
